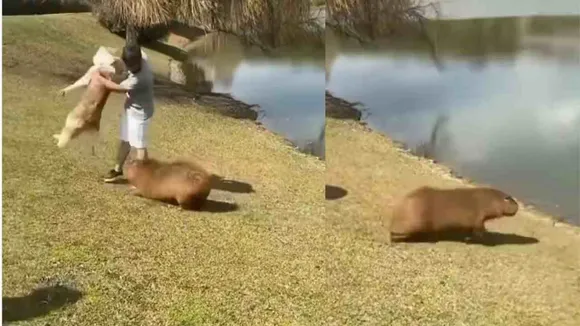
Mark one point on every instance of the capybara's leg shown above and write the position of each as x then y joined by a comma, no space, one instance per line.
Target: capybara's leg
182,202
194,203
478,231
186,203
199,200
135,192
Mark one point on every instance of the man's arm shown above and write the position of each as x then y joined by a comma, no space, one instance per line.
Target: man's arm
112,86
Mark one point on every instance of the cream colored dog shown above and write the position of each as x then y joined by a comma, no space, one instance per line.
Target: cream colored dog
86,116
104,58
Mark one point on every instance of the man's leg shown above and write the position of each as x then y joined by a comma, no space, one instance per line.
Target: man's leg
122,152
138,137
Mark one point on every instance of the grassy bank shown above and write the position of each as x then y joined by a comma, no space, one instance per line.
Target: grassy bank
135,261
514,282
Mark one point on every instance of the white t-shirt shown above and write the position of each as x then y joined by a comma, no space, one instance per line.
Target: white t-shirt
139,102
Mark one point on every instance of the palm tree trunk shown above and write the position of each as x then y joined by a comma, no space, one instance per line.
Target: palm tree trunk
132,36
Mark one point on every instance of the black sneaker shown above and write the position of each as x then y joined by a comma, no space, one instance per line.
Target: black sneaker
113,176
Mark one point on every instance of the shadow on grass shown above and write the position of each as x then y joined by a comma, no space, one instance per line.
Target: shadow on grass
489,239
38,303
231,185
214,206
217,182
210,206
334,192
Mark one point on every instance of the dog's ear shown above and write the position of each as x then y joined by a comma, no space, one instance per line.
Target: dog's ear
103,57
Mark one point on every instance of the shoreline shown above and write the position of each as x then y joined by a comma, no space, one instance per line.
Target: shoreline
248,110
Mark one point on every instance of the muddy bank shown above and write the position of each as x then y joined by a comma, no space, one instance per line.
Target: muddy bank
228,106
339,108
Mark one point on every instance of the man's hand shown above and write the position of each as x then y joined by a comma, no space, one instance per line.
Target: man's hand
112,86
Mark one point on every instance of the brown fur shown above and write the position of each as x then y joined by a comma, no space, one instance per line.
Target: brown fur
432,210
86,116
183,182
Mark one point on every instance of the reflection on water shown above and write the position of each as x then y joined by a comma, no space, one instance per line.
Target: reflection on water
503,95
285,85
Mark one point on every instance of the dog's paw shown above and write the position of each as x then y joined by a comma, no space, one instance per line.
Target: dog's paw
60,142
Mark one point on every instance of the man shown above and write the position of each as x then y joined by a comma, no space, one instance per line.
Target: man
138,109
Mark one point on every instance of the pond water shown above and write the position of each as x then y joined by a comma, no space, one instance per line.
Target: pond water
454,9
286,85
506,93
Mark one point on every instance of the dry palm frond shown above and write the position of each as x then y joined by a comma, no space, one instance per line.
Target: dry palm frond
370,19
138,13
271,22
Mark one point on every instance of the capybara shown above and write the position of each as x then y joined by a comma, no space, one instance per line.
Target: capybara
429,210
86,116
181,181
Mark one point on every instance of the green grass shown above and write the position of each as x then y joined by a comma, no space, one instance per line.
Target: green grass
139,262
284,258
